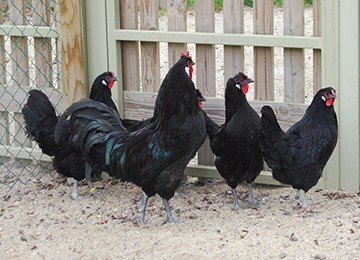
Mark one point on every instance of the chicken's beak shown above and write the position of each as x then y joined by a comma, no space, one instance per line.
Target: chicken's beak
250,80
201,99
115,78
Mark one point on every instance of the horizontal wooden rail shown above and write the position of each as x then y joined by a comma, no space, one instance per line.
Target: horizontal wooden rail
140,105
29,31
23,153
219,38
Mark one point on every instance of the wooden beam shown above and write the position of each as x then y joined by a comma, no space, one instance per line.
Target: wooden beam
349,94
72,51
218,38
149,14
234,24
264,56
176,10
140,105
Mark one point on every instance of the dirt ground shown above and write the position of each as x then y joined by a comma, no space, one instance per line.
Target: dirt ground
40,220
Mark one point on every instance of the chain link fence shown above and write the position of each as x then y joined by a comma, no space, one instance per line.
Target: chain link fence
29,59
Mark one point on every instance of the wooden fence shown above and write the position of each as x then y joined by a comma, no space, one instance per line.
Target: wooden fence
334,24
29,59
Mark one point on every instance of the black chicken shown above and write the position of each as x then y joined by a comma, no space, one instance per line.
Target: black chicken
297,157
236,143
41,119
155,156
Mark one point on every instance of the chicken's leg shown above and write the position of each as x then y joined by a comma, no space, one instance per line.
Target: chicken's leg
141,216
75,194
88,171
302,198
169,216
252,200
237,204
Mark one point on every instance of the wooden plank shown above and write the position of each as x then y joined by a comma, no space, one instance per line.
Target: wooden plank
72,51
263,56
2,51
20,74
176,10
205,54
233,23
139,105
150,57
130,50
317,53
4,123
205,65
23,153
19,45
349,94
43,55
27,31
218,38
294,59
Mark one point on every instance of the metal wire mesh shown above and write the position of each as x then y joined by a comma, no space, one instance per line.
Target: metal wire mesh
29,58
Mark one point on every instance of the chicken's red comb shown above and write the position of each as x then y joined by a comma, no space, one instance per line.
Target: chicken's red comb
187,54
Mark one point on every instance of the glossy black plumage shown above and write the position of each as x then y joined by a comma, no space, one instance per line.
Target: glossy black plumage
40,121
155,156
297,157
236,143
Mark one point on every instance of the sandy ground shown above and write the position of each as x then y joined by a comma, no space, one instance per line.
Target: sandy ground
42,221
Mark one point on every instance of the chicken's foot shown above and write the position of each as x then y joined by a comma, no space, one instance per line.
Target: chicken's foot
75,194
88,171
237,204
302,198
169,216
141,216
252,200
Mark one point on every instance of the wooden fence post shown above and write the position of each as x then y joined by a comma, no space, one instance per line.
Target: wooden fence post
149,20
294,68
72,51
264,56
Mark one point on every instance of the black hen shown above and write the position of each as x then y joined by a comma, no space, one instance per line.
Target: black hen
297,157
41,119
236,143
155,156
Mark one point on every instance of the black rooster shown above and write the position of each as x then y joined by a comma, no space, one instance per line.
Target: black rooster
155,156
297,157
41,119
236,143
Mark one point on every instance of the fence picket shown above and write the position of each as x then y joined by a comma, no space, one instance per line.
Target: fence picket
264,56
130,50
149,14
41,17
317,53
2,50
176,10
294,74
205,66
233,23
